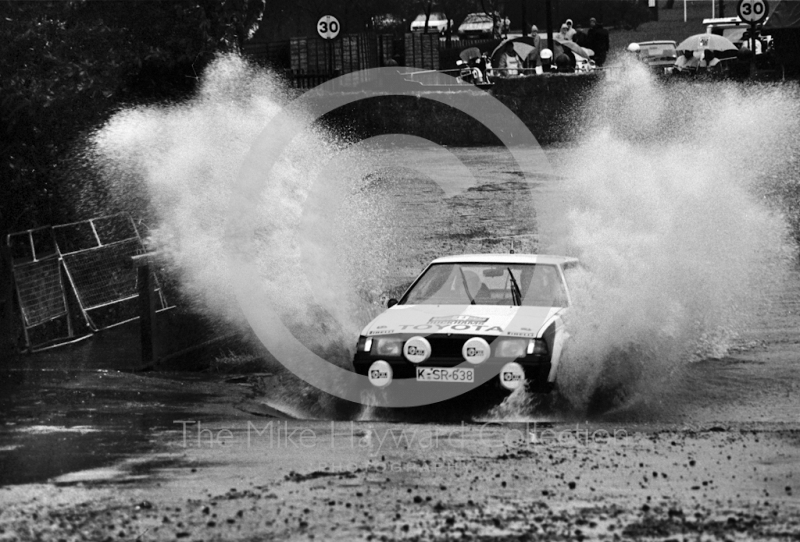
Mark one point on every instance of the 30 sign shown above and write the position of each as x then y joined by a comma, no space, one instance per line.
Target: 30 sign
753,11
328,27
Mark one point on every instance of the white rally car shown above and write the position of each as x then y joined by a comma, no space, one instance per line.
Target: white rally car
469,316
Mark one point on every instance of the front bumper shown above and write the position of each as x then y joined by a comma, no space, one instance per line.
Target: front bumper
446,351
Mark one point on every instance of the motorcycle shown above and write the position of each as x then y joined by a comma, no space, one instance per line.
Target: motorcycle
474,69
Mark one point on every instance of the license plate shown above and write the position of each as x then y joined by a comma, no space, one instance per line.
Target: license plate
445,374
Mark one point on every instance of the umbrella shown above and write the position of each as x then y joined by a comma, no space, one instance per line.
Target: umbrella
713,42
468,54
522,46
572,46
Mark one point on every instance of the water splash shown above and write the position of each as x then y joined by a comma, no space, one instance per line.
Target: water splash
519,406
662,202
177,165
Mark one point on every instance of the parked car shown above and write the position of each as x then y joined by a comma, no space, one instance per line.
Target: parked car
481,25
658,55
437,22
386,22
467,318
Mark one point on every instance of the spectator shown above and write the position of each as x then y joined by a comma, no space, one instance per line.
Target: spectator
709,63
563,64
686,63
580,36
571,32
564,34
597,41
509,64
533,57
546,59
746,43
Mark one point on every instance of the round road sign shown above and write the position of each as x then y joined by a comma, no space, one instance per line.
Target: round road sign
328,27
753,11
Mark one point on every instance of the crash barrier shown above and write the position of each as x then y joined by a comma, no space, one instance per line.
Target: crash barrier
84,266
422,51
39,284
345,54
305,60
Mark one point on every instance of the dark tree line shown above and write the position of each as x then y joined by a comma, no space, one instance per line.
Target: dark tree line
66,66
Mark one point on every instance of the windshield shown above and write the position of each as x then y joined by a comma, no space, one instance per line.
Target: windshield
661,50
434,17
540,285
477,18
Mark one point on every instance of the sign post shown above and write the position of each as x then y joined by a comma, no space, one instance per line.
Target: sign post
753,12
328,28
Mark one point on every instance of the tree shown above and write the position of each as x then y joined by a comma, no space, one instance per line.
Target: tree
426,6
492,8
68,65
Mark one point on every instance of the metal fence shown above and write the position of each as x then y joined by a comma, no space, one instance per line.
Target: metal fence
101,284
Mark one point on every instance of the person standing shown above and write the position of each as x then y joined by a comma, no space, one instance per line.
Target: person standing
598,41
580,36
571,32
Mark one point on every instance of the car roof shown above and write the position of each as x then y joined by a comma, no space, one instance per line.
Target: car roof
507,258
724,21
658,42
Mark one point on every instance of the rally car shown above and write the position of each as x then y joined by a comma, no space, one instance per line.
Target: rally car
467,318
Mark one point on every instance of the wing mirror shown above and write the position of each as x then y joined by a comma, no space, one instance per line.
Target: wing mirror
391,303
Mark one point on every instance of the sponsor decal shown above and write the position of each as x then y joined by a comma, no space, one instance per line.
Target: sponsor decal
512,376
380,374
381,331
522,332
476,350
438,327
459,319
417,349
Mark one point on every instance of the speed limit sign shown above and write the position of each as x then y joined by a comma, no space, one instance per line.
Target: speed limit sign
328,27
753,11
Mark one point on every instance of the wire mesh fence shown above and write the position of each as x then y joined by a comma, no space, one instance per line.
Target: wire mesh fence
87,263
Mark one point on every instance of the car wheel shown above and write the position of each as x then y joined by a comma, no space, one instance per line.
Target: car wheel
622,371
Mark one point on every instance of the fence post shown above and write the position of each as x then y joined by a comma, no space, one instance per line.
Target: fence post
147,309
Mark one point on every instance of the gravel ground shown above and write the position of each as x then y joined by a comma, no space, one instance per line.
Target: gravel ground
388,481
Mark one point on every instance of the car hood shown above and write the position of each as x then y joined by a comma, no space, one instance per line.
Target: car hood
482,25
463,320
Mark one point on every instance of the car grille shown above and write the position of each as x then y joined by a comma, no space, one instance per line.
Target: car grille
448,348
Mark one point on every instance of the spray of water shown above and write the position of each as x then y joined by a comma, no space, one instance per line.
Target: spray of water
662,202
177,165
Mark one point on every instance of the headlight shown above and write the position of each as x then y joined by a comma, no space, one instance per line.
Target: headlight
388,346
364,344
511,348
537,347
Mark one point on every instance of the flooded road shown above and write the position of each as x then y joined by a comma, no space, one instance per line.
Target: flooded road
92,453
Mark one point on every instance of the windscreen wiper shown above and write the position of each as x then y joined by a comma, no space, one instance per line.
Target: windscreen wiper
516,294
466,288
